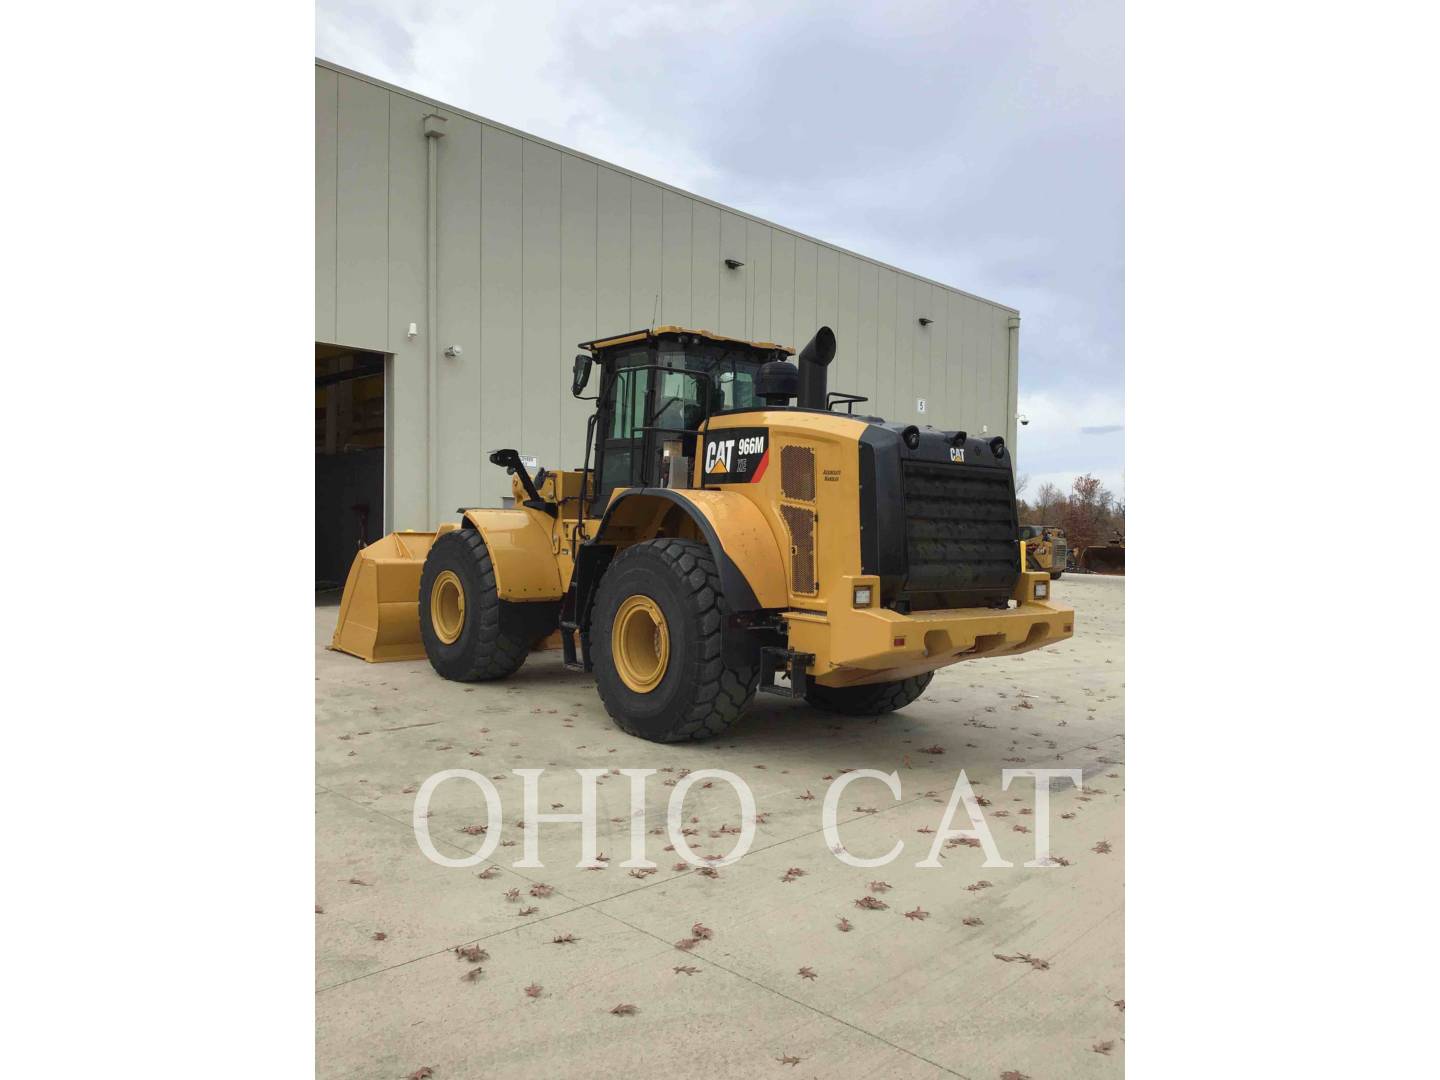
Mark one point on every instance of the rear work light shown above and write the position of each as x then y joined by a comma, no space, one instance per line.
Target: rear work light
862,595
1042,590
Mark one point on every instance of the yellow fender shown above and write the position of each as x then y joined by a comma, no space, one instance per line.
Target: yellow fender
519,542
752,570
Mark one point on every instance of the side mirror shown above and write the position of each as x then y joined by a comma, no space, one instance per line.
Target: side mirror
580,375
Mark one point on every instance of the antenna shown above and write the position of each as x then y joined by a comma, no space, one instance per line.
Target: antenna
655,314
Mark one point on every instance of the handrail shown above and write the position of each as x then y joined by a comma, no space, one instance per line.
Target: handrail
836,397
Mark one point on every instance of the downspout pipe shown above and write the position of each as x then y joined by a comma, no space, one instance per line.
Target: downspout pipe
1012,378
434,127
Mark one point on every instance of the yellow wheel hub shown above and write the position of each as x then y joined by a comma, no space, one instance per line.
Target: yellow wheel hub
447,607
640,644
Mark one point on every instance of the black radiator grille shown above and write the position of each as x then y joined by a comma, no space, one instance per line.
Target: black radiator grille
960,531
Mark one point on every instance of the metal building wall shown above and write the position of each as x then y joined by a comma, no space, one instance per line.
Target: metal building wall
539,248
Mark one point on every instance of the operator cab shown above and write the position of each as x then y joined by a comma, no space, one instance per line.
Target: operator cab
657,387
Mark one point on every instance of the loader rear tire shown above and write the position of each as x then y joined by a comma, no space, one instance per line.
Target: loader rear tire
666,666
872,699
460,612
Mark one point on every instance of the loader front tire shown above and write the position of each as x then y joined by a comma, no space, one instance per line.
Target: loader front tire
872,699
460,612
666,666
1055,575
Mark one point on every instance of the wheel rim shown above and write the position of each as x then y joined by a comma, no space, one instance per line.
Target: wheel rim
447,607
640,643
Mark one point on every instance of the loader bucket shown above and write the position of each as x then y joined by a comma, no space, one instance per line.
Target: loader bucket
380,609
1103,559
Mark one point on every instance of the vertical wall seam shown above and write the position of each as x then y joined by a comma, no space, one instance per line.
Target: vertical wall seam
595,318
335,327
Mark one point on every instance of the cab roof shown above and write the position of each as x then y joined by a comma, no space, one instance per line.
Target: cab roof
674,331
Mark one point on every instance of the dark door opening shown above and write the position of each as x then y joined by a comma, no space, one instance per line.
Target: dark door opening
349,458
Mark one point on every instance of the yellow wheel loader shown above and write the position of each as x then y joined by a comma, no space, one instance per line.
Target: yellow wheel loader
730,532
1045,549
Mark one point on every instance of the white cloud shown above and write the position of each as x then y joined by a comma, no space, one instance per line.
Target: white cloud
974,143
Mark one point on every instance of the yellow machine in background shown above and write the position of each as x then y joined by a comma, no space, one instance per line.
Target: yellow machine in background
1045,548
720,541
1106,558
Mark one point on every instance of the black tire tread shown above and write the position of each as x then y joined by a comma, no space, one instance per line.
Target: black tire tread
872,699
495,654
722,691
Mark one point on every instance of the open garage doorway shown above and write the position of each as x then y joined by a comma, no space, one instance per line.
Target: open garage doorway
349,458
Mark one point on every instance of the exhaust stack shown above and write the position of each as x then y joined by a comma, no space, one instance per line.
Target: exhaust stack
814,358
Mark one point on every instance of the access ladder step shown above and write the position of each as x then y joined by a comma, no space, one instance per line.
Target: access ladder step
568,632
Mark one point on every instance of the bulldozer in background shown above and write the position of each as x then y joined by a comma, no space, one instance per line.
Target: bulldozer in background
720,541
1045,549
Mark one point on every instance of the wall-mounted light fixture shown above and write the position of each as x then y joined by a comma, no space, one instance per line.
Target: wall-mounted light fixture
924,321
734,264
453,351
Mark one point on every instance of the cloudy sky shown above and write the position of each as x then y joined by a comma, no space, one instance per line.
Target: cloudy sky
977,143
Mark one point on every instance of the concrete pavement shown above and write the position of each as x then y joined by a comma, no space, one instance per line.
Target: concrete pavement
892,996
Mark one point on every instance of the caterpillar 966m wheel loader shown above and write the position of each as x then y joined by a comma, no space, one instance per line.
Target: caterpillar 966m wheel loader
1045,549
722,538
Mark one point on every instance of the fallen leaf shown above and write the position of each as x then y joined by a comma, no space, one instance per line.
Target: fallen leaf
807,973
871,903
685,969
973,920
564,939
789,1059
528,910
1102,848
422,1073
624,1010
918,914
1034,961
702,933
880,886
378,935
357,881
844,925
1104,1047
473,953
541,890
533,990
